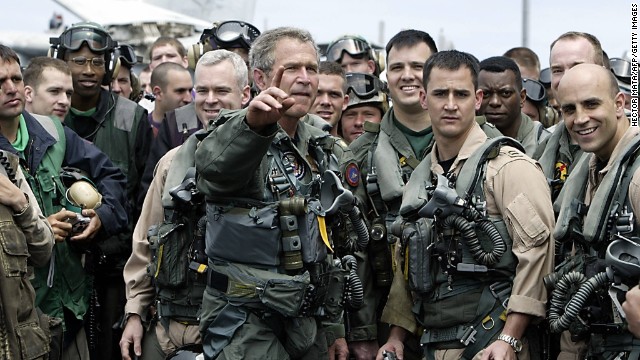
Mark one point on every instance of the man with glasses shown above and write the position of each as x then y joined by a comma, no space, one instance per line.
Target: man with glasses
502,101
367,103
119,128
354,54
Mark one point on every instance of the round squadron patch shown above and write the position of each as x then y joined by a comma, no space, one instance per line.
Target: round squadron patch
298,167
352,174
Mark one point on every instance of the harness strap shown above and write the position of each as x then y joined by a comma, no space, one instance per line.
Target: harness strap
476,336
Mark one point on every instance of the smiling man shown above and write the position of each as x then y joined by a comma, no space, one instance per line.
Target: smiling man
606,184
387,153
502,99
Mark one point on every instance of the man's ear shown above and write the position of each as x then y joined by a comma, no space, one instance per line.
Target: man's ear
157,92
371,65
523,97
28,93
246,95
618,102
260,79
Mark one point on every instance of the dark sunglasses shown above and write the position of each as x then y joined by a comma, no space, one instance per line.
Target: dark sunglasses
535,90
365,85
352,46
96,39
231,34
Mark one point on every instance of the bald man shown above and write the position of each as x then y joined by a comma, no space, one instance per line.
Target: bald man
593,110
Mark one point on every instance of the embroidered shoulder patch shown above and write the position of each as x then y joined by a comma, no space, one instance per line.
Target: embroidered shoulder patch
352,174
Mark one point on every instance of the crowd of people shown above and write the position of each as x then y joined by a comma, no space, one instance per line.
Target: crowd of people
254,197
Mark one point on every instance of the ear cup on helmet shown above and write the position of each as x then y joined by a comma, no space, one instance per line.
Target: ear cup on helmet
112,67
195,52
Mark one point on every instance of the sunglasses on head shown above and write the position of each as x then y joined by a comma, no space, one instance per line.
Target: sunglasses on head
231,34
351,46
535,90
364,85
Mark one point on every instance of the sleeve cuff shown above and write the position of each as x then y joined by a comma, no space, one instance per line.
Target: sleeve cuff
526,305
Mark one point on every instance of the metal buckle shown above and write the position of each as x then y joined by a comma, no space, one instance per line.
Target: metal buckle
468,337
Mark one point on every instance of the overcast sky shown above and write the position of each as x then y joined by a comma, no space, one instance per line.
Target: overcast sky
484,28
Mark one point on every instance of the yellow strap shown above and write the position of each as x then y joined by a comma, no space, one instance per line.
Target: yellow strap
202,268
323,232
159,260
406,264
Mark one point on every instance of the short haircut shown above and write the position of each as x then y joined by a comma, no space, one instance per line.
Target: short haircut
160,75
333,68
167,40
215,57
33,73
574,35
146,68
8,55
451,60
262,54
409,38
499,64
525,57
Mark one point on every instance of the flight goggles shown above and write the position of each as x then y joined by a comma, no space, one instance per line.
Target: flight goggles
545,77
353,46
127,55
621,68
231,34
98,40
535,90
365,85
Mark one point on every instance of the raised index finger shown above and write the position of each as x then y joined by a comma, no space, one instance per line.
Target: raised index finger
277,77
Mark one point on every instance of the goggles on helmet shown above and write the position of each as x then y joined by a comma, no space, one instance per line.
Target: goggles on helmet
621,68
545,77
127,55
231,34
535,90
96,39
353,46
364,85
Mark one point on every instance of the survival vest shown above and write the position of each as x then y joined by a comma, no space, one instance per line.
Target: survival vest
455,290
179,264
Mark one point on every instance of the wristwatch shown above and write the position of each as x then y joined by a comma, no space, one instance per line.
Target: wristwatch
515,343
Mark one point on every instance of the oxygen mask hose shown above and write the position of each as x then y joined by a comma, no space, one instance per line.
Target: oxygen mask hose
360,228
470,237
570,309
354,297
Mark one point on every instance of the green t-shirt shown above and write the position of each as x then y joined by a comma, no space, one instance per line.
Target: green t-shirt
22,138
419,140
84,113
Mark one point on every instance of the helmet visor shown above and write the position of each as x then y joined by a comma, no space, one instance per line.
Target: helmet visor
364,85
350,45
96,39
233,34
535,90
621,68
545,77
